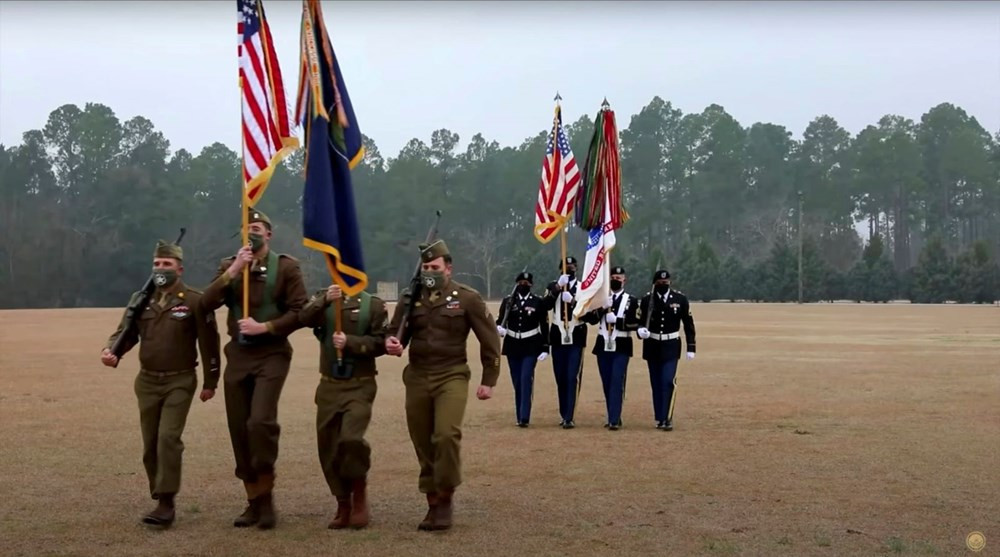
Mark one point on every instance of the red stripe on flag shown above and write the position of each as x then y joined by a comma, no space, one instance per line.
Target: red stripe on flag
264,105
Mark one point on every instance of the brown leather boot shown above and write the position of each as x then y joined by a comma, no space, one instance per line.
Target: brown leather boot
342,519
163,514
441,519
432,502
265,503
250,515
359,504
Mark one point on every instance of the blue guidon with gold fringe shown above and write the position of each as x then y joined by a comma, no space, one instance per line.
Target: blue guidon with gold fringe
333,147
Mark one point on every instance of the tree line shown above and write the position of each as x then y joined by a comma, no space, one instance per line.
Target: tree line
726,208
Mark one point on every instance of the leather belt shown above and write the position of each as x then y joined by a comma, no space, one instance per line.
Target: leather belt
665,336
356,379
526,334
165,373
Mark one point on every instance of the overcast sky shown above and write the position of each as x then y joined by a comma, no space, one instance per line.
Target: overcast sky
493,68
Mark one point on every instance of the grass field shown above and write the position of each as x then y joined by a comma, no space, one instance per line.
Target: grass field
799,430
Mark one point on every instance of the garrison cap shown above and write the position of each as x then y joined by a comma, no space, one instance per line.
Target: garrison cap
524,275
166,249
660,275
570,260
430,252
618,270
255,215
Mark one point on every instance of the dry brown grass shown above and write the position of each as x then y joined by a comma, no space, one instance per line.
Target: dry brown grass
800,430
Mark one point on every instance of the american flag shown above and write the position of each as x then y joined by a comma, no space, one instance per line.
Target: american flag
267,138
556,194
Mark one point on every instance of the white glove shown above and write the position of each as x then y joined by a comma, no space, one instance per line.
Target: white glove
542,356
610,302
563,280
567,297
611,318
690,355
643,333
501,331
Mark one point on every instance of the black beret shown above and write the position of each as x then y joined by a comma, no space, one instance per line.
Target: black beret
570,260
525,276
618,270
660,275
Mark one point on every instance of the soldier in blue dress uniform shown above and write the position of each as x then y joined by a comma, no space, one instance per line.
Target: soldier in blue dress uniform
661,343
524,325
613,346
567,340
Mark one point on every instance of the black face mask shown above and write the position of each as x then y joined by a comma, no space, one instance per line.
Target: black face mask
661,289
616,285
571,271
523,289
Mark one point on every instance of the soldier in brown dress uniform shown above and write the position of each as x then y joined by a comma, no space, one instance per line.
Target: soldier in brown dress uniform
170,331
345,394
437,375
258,357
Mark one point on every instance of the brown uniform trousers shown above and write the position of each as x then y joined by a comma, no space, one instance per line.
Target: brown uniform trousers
344,405
437,377
171,330
255,375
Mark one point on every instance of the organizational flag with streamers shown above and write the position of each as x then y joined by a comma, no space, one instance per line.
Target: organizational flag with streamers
600,211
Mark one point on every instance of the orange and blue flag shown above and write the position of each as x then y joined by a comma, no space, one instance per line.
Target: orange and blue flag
333,148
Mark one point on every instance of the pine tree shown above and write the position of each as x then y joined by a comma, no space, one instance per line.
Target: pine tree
934,275
977,275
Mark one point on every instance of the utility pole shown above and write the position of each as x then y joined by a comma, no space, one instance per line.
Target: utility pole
800,246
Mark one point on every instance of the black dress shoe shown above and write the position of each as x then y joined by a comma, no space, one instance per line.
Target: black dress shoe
668,425
568,425
614,427
522,424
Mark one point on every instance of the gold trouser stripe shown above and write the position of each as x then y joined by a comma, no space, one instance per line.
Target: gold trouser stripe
531,399
624,382
673,396
579,383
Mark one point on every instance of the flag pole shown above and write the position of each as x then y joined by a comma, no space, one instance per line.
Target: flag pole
607,257
338,308
245,219
562,227
312,15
